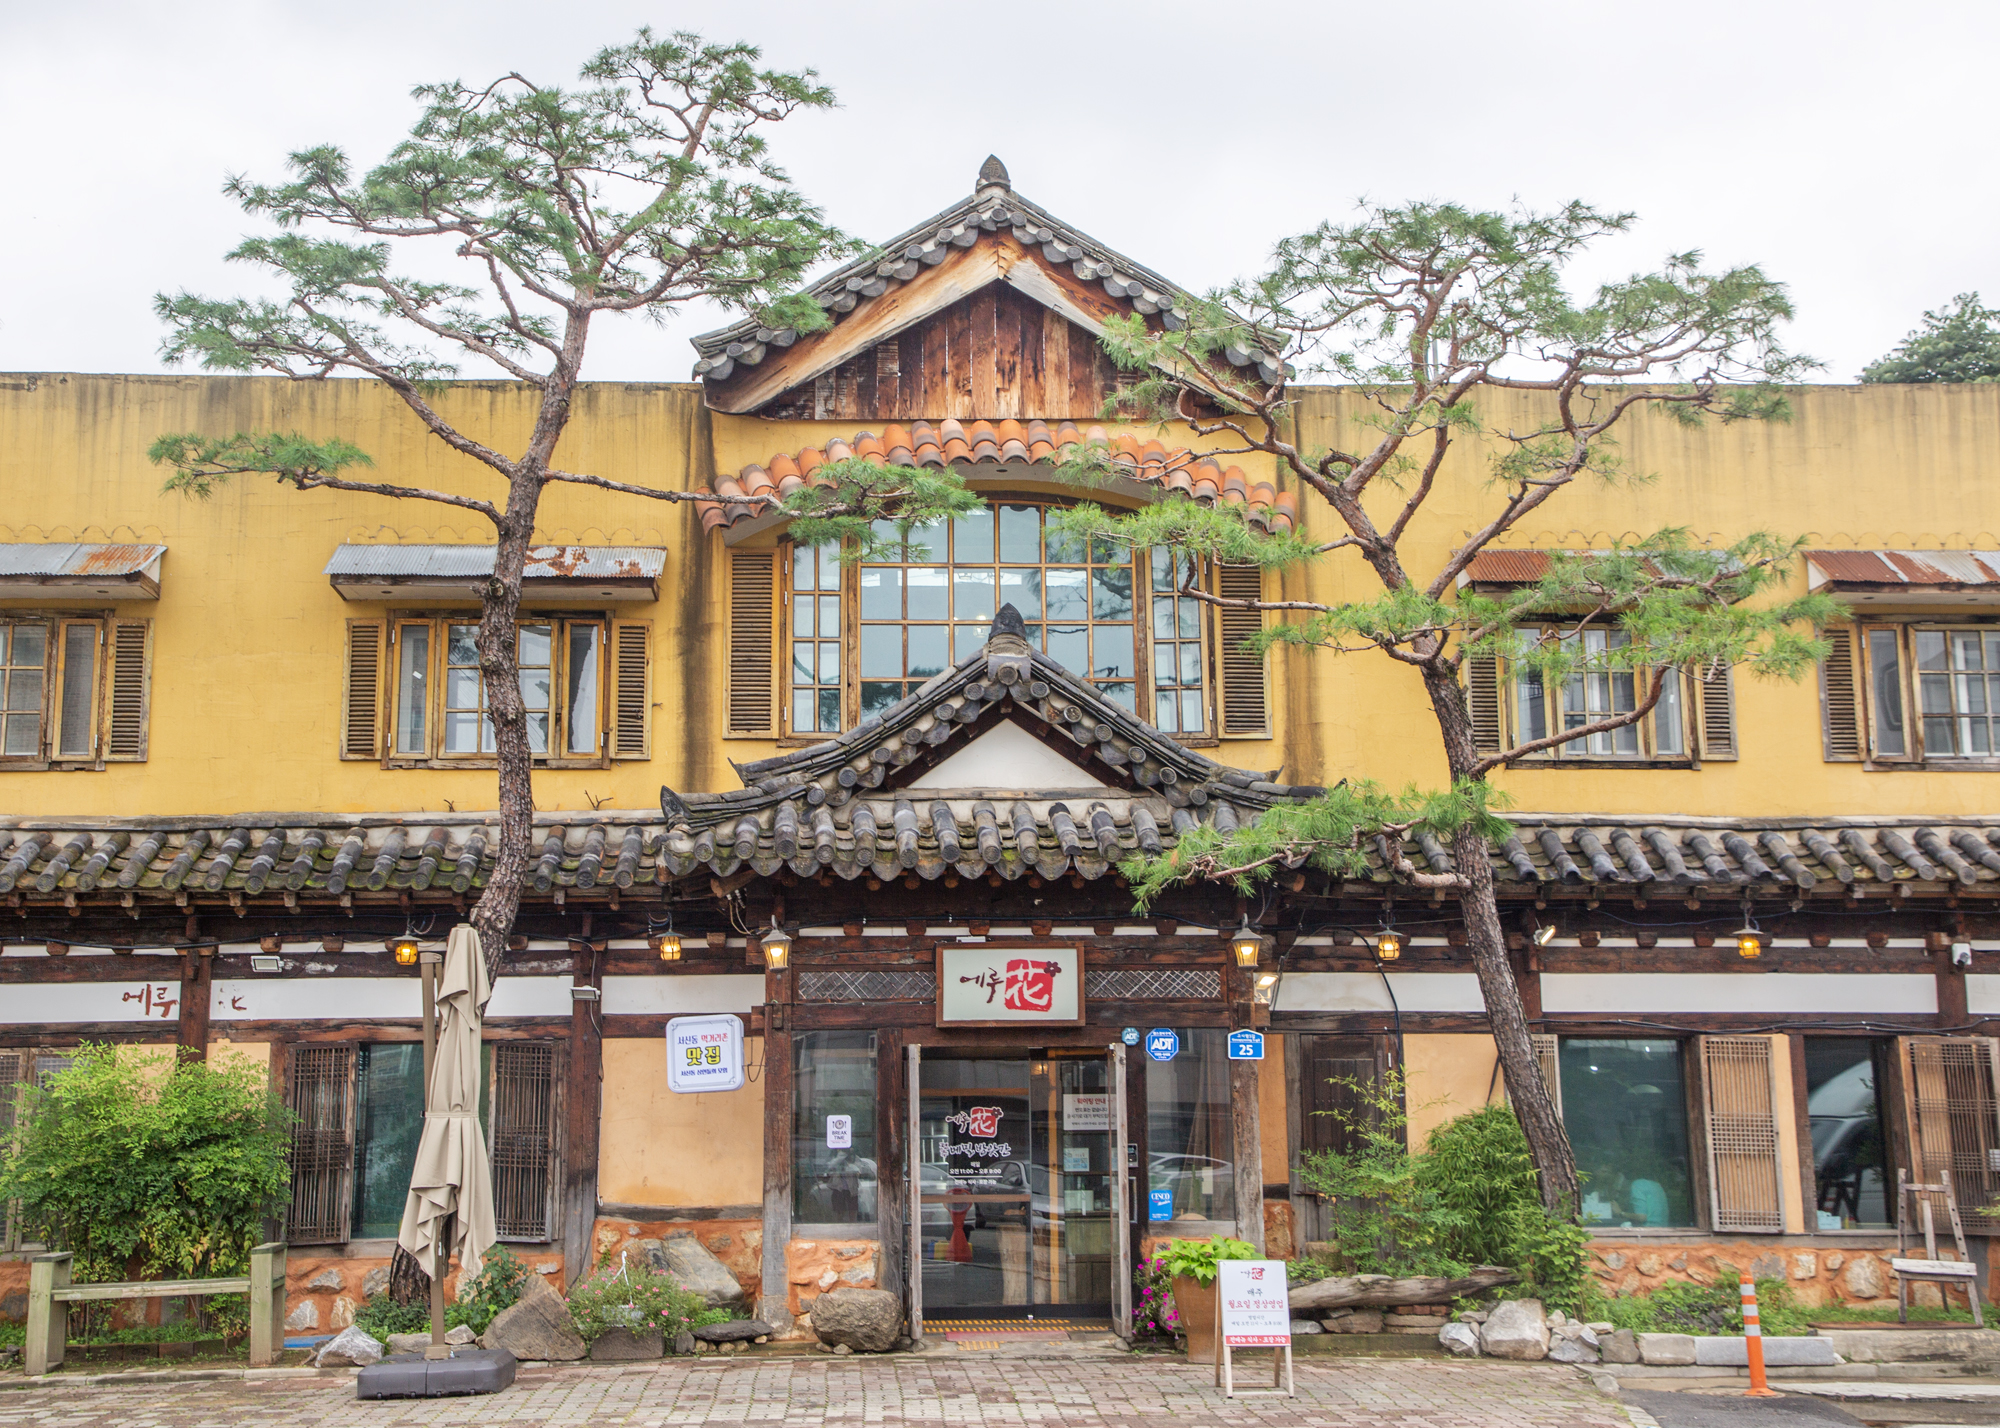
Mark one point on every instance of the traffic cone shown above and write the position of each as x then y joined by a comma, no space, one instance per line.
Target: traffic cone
1753,1343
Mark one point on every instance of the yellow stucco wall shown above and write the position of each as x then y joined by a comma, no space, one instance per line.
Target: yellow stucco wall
1448,1075
248,638
659,1148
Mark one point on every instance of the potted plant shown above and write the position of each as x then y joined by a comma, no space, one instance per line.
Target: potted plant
1192,1266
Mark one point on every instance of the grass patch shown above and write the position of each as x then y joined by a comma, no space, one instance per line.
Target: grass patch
1850,1314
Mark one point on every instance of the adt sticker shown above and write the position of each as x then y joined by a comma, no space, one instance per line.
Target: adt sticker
1159,1205
1130,1036
1163,1043
1246,1046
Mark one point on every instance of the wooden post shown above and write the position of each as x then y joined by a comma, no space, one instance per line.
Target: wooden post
773,1297
267,1303
1245,1126
48,1321
583,1090
196,969
1952,1013
1802,1133
1121,1211
913,1106
891,1157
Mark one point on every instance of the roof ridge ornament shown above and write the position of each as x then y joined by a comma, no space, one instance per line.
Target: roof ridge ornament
992,174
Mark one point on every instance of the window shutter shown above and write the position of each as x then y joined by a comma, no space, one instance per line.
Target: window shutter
321,1096
1482,702
1545,1054
523,1117
1243,698
1950,1110
1716,690
753,590
361,700
128,690
1743,1165
1840,712
13,1076
632,691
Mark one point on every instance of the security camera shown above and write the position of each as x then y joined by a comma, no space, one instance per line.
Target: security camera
1961,954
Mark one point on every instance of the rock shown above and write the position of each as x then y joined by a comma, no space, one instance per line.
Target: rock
1460,1340
1649,1265
375,1281
1657,1349
1600,1327
702,1348
1779,1352
1613,1260
1679,1261
618,1346
1305,1326
684,1342
766,1338
1805,1265
1572,1351
684,1257
14,1306
733,1330
459,1335
1516,1329
409,1343
903,1341
1864,1278
823,1348
537,1326
1621,1346
842,1349
864,1319
350,1348
305,1317
1834,1262
1768,1266
1556,1317
1361,1321
343,1313
849,1251
328,1279
1412,1321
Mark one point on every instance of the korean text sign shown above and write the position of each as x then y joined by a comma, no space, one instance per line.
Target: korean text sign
995,986
1255,1310
704,1053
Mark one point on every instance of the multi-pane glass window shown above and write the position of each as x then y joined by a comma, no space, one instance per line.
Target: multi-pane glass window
1177,653
1953,676
1599,690
24,659
816,676
922,613
1958,689
441,696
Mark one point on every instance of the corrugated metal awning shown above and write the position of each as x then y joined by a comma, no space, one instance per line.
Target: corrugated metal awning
123,571
1957,577
563,572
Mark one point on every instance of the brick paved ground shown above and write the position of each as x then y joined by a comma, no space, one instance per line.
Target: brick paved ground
959,1392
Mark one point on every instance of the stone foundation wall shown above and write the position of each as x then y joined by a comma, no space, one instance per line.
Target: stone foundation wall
739,1244
323,1289
14,1290
812,1267
1842,1274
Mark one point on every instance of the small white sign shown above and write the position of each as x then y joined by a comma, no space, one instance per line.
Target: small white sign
840,1132
1090,1111
1252,1302
704,1053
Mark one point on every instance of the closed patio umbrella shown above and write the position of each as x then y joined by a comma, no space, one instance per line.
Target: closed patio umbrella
451,1185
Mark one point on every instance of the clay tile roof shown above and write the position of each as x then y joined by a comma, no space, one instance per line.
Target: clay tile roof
1142,459
1507,567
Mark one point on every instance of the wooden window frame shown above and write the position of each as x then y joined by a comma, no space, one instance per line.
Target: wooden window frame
1915,755
1693,704
439,623
1144,691
48,755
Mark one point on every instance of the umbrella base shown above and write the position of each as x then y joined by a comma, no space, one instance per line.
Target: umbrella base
413,1376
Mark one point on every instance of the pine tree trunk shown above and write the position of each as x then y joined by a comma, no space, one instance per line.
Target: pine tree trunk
1479,906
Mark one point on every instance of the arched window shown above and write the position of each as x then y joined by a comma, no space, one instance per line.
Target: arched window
862,638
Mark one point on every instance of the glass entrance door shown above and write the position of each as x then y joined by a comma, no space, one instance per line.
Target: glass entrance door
1014,1166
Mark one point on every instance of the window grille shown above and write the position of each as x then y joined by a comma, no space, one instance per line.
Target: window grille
321,1096
1950,1106
522,1144
1743,1167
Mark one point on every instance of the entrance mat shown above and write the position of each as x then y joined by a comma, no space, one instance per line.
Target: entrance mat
1016,1326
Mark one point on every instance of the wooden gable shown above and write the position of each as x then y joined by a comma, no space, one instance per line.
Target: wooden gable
996,354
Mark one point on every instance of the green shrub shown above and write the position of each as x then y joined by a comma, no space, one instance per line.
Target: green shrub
12,1335
628,1295
1680,1307
145,1168
1477,1166
381,1316
1386,1217
497,1286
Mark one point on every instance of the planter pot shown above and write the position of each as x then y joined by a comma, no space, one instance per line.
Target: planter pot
1195,1304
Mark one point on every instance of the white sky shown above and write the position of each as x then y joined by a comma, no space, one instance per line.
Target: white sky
1845,146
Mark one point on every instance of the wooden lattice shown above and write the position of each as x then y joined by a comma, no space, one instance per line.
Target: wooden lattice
523,1138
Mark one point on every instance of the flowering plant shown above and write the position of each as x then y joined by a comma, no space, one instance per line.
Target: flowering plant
627,1294
1154,1318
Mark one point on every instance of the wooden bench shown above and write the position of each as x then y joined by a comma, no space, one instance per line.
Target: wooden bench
50,1292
